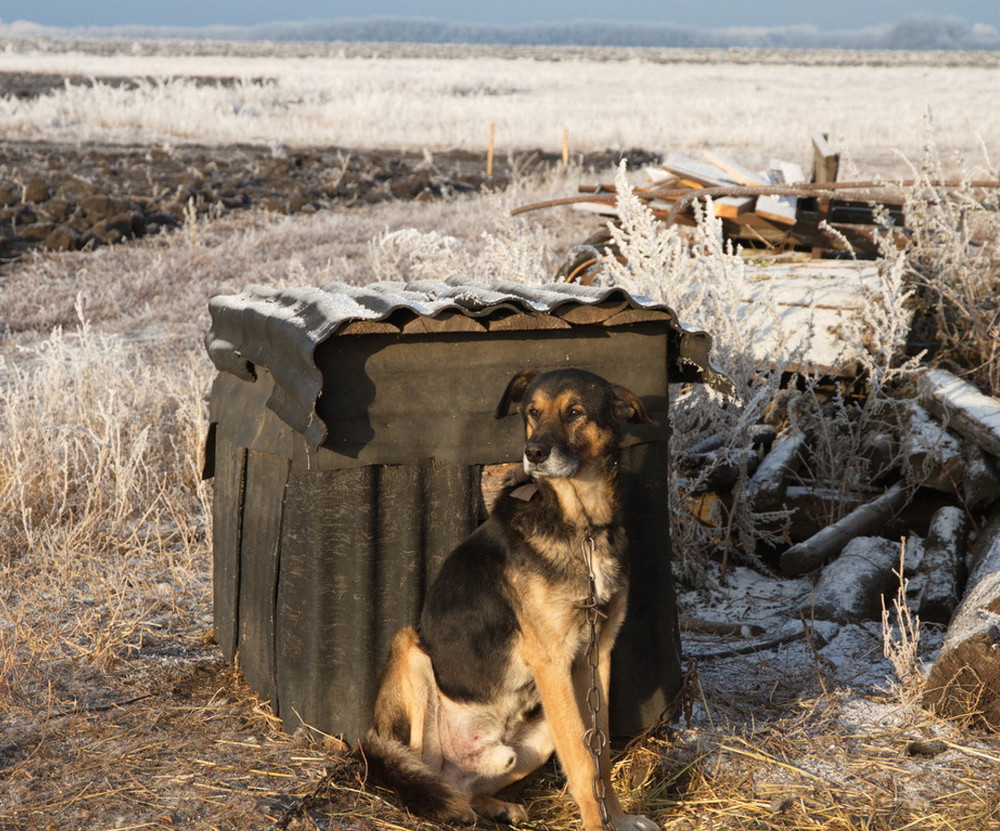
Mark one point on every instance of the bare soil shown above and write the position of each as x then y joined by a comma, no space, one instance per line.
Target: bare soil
69,197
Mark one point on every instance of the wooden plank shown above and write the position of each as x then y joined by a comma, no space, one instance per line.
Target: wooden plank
781,209
697,173
731,207
826,165
734,170
326,657
397,401
398,568
227,522
645,665
266,476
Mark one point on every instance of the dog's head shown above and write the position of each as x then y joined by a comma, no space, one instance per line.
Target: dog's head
571,418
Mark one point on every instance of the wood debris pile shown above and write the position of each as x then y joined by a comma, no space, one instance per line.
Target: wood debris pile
936,483
777,208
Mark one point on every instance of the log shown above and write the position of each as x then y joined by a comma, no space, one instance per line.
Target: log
826,544
850,588
984,558
962,408
771,477
722,469
813,506
980,479
942,567
964,681
932,456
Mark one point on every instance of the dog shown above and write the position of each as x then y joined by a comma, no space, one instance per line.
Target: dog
499,673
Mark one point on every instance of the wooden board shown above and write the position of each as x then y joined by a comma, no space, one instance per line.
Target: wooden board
227,523
266,476
696,172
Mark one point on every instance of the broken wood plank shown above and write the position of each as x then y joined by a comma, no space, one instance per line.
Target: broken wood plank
850,588
830,541
964,681
962,408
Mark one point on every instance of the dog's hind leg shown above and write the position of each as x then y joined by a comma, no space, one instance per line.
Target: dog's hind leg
498,810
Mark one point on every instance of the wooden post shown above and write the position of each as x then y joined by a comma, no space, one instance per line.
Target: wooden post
825,162
489,152
565,148
826,165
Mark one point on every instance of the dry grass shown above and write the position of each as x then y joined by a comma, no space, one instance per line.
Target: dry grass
118,712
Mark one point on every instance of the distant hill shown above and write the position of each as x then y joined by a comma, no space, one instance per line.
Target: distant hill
917,32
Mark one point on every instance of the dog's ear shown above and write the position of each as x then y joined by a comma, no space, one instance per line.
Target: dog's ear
629,408
514,393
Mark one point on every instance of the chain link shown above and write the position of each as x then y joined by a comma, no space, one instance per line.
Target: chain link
595,739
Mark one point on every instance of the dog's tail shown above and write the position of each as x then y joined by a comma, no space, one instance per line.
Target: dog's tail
394,765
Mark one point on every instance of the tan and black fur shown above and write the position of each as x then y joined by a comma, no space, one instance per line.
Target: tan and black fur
494,678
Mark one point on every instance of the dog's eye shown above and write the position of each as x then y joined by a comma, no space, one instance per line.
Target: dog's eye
574,413
532,413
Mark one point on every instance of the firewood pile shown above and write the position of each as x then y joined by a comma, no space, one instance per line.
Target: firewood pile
936,512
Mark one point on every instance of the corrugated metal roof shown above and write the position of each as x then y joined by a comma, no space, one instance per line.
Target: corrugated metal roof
279,329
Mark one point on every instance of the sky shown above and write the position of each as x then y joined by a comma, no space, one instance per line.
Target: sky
826,15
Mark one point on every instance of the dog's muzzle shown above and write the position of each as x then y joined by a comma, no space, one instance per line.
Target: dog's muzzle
542,459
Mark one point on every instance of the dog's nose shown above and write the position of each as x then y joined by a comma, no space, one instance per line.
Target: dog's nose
536,452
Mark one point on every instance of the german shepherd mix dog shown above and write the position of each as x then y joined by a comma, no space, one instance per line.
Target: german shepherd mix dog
497,677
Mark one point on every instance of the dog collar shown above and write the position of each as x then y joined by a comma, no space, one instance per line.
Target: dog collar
525,492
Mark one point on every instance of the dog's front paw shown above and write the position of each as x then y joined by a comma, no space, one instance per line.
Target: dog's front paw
636,822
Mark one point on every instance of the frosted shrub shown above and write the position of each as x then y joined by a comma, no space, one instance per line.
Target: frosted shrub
704,280
513,251
953,257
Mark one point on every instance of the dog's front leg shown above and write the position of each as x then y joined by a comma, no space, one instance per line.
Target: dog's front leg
584,683
555,686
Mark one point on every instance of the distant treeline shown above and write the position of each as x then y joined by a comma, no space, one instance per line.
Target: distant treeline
917,32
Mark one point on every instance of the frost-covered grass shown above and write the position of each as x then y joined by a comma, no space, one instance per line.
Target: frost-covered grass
749,110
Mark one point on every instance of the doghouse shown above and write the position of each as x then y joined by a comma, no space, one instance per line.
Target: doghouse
353,444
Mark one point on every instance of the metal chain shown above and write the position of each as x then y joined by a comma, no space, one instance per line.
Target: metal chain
594,739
